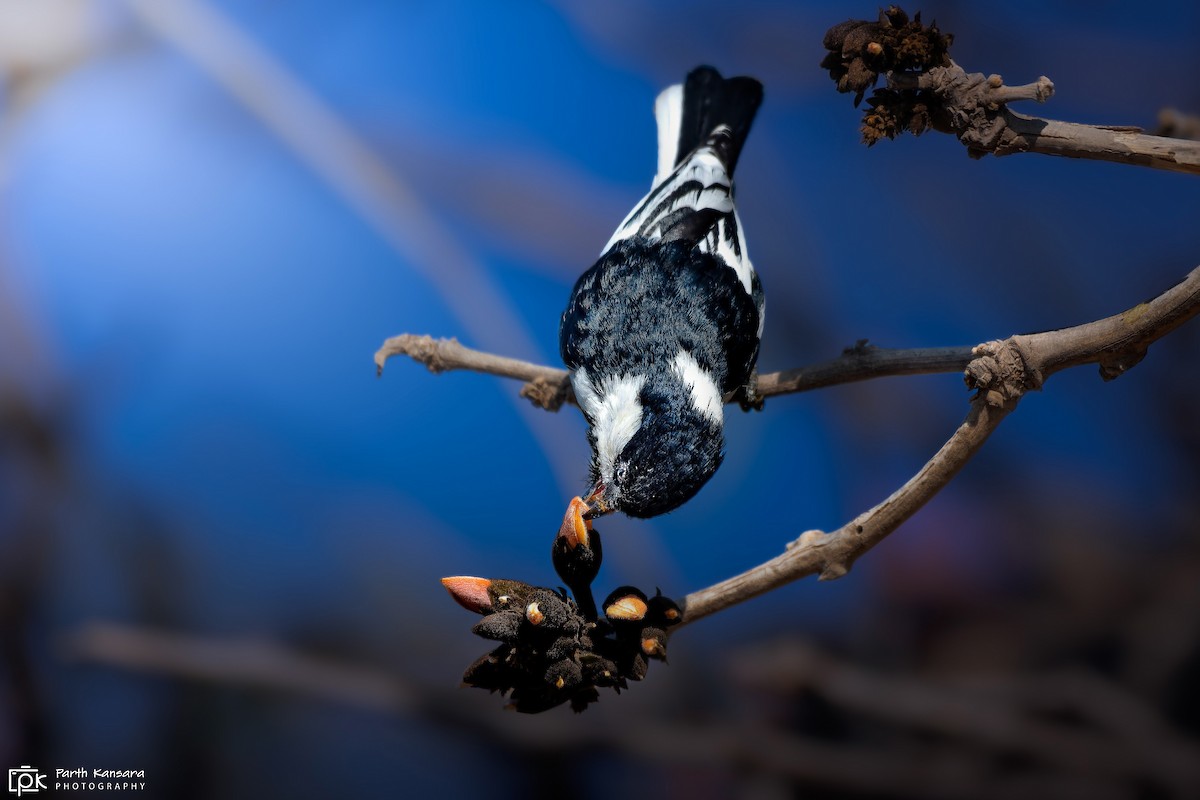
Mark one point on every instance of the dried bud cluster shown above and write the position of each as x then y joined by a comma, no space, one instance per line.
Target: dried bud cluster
861,51
555,648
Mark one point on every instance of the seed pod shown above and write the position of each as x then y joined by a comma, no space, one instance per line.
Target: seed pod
654,643
628,604
629,608
491,671
503,626
662,611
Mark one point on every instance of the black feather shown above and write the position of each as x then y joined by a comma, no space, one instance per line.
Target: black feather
710,101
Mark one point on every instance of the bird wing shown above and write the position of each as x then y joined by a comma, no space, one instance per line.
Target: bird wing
693,204
702,124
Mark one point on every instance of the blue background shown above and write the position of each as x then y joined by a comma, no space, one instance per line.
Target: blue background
191,301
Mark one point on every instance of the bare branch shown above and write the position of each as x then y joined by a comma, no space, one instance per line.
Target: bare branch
863,362
831,555
1002,372
995,712
926,89
443,355
1116,343
1124,145
247,662
980,117
546,387
550,387
268,666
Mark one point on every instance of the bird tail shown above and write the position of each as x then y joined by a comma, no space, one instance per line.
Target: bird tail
704,111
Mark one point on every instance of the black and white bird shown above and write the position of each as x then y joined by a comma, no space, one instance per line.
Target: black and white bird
668,321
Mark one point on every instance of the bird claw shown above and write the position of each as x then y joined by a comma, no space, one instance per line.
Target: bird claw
747,396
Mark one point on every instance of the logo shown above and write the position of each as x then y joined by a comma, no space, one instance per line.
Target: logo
25,780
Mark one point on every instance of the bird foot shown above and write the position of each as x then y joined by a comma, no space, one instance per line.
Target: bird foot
748,397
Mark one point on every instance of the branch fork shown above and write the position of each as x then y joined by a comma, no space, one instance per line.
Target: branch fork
1000,372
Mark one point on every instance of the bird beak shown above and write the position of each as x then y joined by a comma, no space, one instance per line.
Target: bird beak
595,505
575,528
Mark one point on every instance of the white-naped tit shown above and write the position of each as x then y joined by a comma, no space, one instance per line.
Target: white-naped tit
668,321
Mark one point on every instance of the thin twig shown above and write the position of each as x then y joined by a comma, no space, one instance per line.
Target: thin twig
549,387
1002,372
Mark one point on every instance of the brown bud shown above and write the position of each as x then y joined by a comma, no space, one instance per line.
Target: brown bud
470,593
654,647
575,529
662,611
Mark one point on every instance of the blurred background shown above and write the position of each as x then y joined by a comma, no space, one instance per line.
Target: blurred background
221,534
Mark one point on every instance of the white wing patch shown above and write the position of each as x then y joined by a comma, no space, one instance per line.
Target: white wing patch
585,393
706,397
615,412
668,113
700,183
702,170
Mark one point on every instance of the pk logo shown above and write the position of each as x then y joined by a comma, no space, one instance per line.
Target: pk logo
25,780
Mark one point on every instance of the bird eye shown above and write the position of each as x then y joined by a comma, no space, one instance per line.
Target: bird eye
622,471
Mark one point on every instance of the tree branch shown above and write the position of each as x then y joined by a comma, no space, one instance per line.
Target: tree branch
863,362
980,117
995,712
253,663
1002,372
550,387
831,555
926,89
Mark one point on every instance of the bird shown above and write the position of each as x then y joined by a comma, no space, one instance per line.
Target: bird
668,321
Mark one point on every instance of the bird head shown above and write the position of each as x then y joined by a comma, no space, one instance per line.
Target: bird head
670,456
